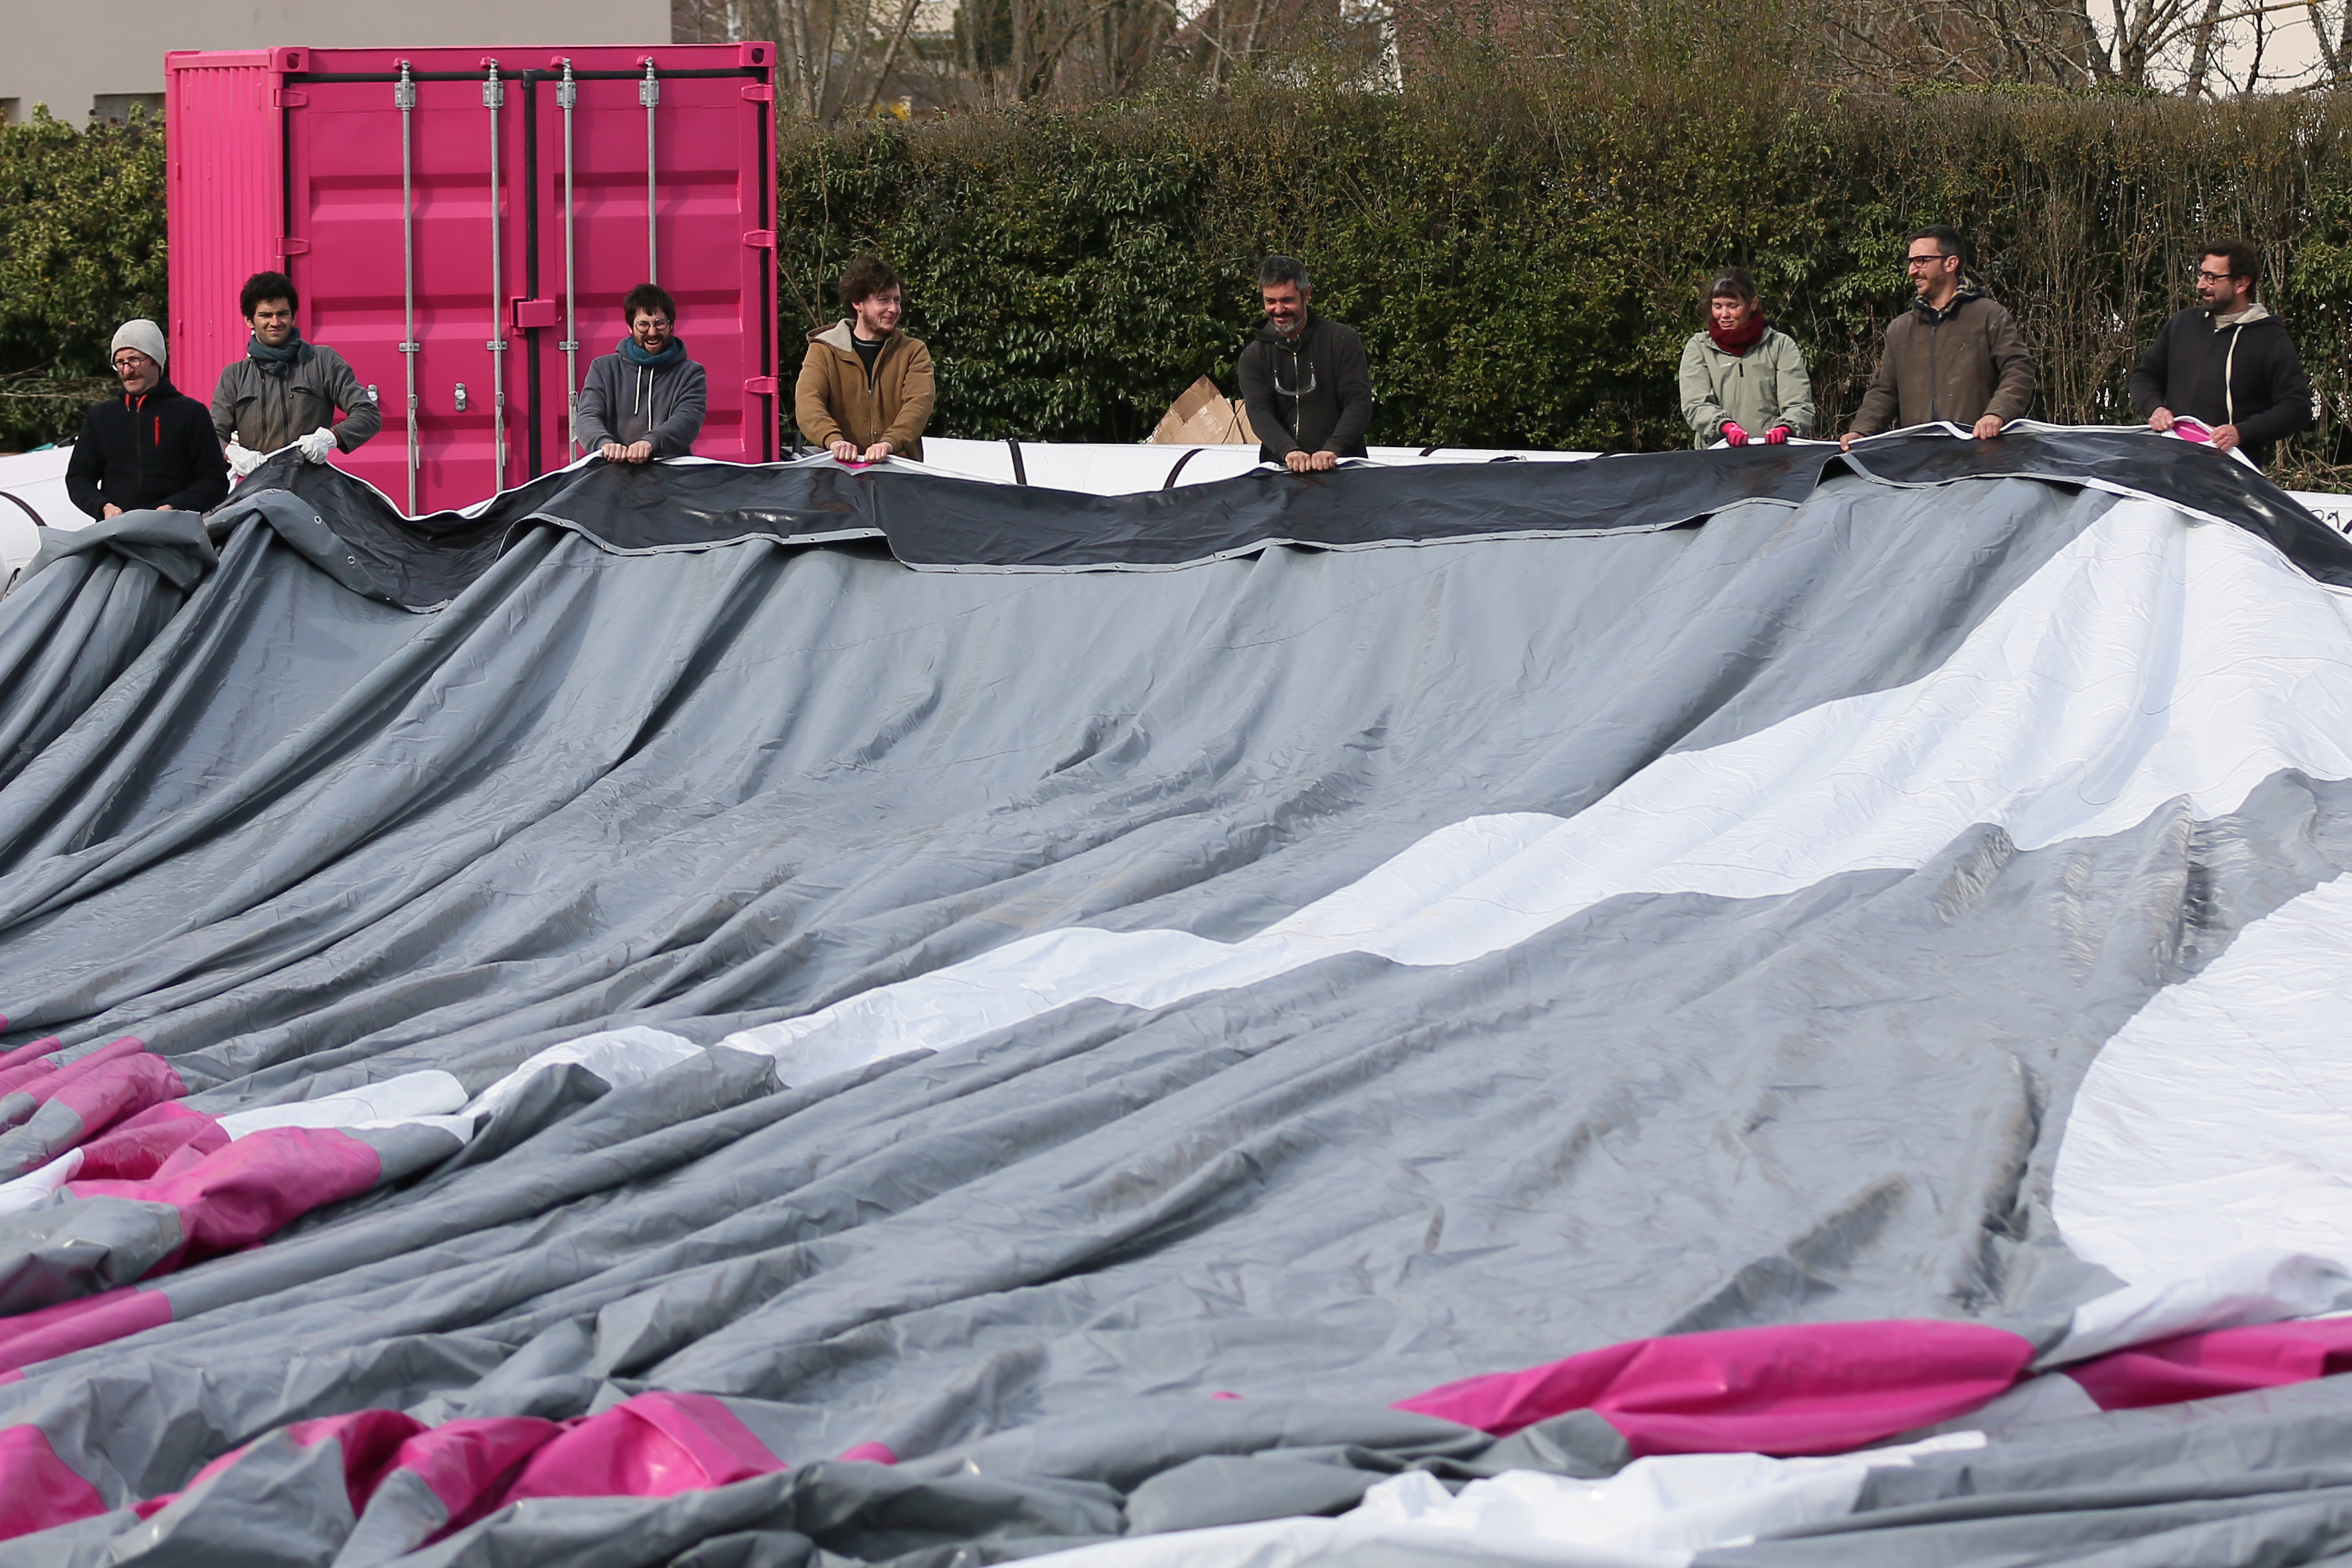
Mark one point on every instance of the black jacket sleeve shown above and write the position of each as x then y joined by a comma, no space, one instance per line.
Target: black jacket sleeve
85,467
200,454
1351,373
2288,409
2152,375
1257,396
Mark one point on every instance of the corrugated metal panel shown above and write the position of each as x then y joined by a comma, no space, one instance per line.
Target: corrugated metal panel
334,134
225,184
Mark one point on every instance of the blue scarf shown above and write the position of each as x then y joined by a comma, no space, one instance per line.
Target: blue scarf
643,360
277,360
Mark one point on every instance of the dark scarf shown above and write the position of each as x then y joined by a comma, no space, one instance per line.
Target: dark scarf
643,360
280,360
1740,339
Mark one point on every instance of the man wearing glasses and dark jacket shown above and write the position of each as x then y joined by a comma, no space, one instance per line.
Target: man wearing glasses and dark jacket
1304,377
1955,355
2226,362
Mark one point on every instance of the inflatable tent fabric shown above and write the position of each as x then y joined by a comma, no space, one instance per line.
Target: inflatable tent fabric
1737,1007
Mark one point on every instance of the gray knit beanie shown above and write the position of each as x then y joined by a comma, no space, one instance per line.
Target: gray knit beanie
143,335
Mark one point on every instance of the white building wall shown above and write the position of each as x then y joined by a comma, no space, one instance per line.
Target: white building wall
68,55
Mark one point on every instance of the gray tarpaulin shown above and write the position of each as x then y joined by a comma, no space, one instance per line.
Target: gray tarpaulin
1103,1036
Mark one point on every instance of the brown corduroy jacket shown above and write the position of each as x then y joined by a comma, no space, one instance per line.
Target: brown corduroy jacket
836,400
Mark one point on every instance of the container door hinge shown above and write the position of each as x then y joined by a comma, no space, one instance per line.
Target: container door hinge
759,92
289,97
763,384
761,238
289,246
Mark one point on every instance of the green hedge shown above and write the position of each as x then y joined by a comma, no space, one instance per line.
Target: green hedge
1524,260
1522,257
81,250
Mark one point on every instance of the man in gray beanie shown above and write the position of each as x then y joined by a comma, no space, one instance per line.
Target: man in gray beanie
152,447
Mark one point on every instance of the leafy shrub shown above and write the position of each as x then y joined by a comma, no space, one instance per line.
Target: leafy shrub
81,250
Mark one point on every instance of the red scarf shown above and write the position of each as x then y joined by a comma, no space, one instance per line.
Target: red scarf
1740,339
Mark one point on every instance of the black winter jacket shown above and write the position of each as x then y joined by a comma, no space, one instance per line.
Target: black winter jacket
154,450
1312,394
2265,393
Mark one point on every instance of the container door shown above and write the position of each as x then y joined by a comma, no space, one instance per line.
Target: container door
451,276
365,275
712,241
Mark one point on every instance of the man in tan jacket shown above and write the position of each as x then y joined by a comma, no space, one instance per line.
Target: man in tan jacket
866,390
1955,355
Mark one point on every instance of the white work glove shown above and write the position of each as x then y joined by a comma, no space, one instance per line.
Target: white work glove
317,445
243,461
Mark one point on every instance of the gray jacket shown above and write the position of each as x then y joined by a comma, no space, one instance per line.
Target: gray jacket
1763,387
624,404
263,412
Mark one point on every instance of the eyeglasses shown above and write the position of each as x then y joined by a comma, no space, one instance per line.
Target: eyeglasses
2205,276
128,362
1911,261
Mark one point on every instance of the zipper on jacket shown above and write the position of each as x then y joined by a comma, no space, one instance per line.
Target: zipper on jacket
2229,368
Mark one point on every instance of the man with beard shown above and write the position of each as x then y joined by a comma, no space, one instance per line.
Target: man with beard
1304,376
1956,354
151,448
285,392
645,399
2226,362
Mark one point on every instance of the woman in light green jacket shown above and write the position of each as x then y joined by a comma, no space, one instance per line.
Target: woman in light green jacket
1743,379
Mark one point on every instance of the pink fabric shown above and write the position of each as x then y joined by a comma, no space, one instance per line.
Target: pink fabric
1801,1388
43,1078
871,1454
656,1445
37,1490
466,1462
370,1439
2222,1361
135,1149
71,1326
11,1060
236,1195
15,1078
113,1090
2192,429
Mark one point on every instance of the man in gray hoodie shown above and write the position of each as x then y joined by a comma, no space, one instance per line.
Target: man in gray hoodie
645,399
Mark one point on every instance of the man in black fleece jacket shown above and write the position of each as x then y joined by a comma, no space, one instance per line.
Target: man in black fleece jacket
153,447
1304,377
2226,362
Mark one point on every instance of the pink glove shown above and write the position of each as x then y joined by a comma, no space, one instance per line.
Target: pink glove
1734,433
1776,435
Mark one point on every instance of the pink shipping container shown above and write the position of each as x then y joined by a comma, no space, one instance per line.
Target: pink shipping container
462,223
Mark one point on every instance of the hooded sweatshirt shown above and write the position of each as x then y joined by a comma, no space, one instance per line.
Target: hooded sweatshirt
632,396
149,449
2239,370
